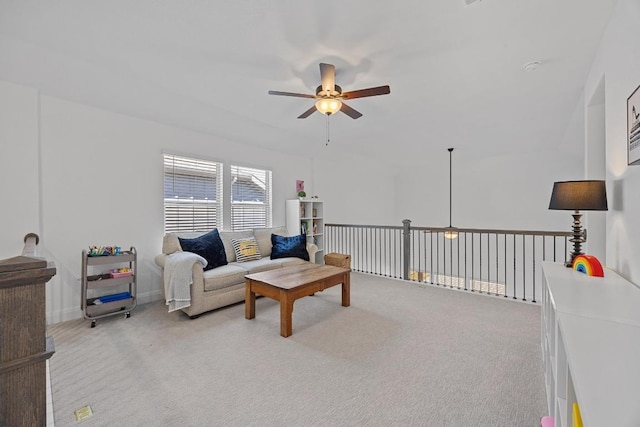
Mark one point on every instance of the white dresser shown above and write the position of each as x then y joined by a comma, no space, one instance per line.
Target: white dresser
591,347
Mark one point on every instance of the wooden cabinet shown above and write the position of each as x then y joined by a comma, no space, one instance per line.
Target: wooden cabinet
590,346
105,291
24,347
306,216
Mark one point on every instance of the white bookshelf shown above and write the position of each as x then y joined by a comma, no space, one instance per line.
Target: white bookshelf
591,346
307,216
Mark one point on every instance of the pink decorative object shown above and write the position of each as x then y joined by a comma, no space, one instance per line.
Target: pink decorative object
115,273
299,186
547,422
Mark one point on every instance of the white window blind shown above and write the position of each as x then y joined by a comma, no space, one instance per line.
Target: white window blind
192,194
250,198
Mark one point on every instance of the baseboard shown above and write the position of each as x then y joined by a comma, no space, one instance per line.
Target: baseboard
66,314
147,297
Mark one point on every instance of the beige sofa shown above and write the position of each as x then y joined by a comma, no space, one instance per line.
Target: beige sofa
224,285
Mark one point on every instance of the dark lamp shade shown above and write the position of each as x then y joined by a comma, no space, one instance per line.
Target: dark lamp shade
579,196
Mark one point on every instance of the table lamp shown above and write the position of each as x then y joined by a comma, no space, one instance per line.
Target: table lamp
587,195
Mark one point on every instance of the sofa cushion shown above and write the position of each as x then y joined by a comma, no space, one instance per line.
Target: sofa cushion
223,277
262,264
288,262
293,246
226,237
246,249
170,244
263,237
209,246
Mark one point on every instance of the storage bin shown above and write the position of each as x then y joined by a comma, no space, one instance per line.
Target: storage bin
338,260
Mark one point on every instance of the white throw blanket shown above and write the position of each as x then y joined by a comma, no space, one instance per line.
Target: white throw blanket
178,277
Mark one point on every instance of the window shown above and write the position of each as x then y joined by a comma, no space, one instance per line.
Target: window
192,194
250,198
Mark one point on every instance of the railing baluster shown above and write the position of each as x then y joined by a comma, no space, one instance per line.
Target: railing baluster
458,258
473,255
506,282
465,261
395,255
480,265
431,257
514,267
533,258
451,263
385,248
497,267
379,234
524,268
438,259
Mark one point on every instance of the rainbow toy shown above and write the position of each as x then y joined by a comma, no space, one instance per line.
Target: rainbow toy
589,265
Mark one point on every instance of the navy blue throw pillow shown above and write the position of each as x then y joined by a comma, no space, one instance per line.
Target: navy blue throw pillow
209,246
286,247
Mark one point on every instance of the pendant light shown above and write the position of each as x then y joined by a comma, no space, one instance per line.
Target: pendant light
450,232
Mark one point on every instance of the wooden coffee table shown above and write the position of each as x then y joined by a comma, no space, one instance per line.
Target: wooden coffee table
291,283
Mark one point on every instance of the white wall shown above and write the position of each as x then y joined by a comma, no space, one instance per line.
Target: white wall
355,190
618,63
504,191
102,184
18,167
595,168
501,192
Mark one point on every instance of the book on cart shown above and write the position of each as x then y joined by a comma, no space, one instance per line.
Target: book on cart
111,298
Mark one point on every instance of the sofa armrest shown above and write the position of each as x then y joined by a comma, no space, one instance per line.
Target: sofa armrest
198,271
197,286
312,249
161,260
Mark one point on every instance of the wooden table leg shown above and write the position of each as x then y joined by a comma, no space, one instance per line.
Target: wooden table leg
286,315
346,290
249,301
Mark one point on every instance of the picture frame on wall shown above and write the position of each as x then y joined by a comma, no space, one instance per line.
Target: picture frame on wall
633,128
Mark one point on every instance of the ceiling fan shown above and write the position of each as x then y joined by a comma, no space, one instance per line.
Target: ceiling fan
329,95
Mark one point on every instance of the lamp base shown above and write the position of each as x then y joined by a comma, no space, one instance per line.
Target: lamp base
579,237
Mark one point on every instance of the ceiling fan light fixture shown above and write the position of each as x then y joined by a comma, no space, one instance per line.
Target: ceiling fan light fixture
329,95
328,106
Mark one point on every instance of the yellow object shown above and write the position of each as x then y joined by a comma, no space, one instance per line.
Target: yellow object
83,413
248,248
577,418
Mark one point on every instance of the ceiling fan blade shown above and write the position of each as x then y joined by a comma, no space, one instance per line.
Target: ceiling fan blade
328,76
350,111
307,113
298,95
372,91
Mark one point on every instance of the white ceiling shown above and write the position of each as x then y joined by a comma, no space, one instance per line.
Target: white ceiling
455,71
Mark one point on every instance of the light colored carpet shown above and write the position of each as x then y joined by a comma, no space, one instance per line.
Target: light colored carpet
402,355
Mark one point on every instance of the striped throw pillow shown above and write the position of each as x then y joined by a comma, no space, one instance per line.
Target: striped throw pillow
246,249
